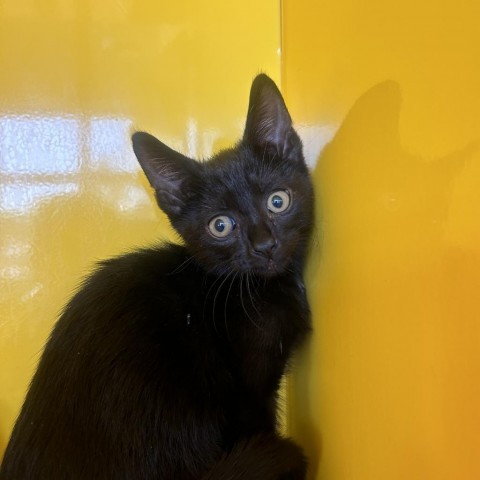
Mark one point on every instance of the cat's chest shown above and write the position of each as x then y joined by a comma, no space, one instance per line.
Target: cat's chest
257,327
262,313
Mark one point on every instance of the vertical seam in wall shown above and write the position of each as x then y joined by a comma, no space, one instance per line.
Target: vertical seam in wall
287,387
281,41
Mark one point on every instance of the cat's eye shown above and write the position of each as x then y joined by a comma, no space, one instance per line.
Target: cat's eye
278,201
221,226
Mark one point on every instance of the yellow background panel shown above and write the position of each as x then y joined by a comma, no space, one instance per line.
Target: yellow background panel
76,77
390,385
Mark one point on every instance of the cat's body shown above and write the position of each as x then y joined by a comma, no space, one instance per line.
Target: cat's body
167,362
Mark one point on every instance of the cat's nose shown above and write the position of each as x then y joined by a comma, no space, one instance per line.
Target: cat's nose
264,245
262,241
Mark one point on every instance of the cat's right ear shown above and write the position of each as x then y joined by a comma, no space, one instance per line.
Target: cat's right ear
269,125
170,173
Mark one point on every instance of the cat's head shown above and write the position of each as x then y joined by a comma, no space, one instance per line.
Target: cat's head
248,209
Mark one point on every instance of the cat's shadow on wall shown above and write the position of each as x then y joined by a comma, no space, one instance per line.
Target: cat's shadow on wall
379,208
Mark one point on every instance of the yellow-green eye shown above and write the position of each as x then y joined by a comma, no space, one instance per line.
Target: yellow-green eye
221,226
278,201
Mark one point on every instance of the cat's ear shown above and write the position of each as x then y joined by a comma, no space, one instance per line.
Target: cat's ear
269,125
170,173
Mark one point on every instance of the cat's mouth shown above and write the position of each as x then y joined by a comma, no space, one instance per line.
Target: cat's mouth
251,263
266,267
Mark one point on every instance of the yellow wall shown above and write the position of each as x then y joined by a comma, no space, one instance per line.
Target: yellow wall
390,386
75,77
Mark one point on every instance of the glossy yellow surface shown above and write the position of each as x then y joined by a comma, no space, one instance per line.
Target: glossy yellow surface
390,386
76,77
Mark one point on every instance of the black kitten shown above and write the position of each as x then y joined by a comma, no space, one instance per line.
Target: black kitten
167,362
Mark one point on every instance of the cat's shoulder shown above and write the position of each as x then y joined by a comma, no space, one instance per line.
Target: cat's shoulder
159,258
152,265
130,281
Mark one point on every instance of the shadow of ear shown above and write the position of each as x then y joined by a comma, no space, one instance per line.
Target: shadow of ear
366,181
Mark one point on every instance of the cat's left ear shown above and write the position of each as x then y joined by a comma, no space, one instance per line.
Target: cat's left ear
170,173
269,126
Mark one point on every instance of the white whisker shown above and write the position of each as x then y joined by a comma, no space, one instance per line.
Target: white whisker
215,298
243,305
182,266
225,307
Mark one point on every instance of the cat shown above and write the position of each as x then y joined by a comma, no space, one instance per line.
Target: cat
166,363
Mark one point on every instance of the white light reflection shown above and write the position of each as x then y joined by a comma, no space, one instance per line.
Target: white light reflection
14,272
39,144
41,156
109,144
15,248
18,198
192,138
314,139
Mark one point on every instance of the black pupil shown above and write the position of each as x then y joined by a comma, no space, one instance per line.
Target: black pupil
220,225
277,201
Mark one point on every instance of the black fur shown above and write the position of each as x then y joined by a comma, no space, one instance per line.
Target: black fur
167,362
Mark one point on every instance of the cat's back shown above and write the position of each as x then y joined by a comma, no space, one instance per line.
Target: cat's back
121,368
